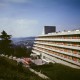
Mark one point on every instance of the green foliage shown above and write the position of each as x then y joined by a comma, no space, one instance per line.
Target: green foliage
5,36
10,70
58,72
6,47
20,51
5,43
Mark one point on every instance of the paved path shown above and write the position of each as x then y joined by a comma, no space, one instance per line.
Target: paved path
38,73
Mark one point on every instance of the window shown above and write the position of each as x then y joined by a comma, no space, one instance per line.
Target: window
69,44
70,51
65,43
65,50
75,52
78,44
79,52
75,37
74,59
65,56
62,55
79,60
78,36
74,44
69,57
69,37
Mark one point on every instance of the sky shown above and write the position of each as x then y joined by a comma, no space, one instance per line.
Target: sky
24,18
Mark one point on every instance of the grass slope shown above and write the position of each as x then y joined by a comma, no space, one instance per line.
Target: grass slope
9,70
59,72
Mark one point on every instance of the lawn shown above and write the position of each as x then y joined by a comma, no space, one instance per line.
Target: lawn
9,70
58,72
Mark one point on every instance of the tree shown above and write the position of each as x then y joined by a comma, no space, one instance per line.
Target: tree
5,36
20,51
5,43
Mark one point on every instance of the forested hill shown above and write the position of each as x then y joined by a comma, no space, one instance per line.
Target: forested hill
22,39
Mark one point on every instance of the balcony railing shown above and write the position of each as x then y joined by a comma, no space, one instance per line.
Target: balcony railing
62,52
66,40
63,46
68,60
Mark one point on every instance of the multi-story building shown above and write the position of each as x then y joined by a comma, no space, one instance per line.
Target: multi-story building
60,47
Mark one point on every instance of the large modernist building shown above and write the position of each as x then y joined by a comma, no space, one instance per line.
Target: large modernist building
60,47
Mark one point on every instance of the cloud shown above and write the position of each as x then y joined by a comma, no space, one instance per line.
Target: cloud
18,27
2,4
16,1
5,3
26,22
19,22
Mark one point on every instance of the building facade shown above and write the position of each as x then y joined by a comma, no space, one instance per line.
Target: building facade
60,47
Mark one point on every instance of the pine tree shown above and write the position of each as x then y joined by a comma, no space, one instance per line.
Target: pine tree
5,43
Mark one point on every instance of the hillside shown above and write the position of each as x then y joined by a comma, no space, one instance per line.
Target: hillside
58,71
9,70
15,40
24,41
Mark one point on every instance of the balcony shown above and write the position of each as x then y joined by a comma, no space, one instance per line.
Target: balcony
63,46
66,40
68,60
62,52
37,53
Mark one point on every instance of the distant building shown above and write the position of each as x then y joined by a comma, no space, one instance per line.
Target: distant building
60,47
49,29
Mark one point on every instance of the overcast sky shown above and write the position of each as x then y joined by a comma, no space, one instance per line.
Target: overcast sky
22,18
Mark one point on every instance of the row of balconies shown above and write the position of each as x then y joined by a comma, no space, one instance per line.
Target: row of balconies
58,45
61,50
62,43
36,51
61,37
61,40
68,58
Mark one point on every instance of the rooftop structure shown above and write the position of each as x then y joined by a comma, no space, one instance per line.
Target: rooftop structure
49,29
